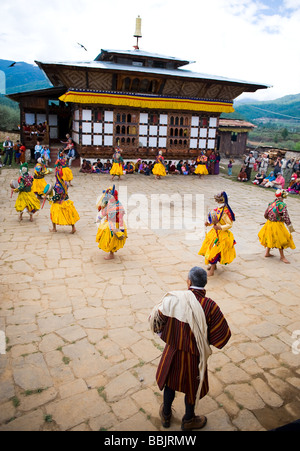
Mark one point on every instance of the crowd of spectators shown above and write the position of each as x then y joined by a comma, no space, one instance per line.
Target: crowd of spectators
283,173
145,167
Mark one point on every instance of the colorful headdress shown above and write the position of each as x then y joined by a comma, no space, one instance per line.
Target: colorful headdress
223,198
60,188
281,193
106,196
114,209
24,168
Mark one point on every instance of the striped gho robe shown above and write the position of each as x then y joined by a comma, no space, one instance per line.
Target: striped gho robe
178,367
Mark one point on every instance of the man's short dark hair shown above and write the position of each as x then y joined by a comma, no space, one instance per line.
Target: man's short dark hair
198,277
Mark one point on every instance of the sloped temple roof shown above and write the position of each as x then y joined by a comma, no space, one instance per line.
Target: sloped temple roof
101,74
48,67
109,55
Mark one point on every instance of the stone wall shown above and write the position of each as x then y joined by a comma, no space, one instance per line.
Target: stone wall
13,136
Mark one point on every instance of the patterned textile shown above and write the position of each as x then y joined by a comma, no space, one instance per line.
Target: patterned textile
39,171
178,367
277,211
146,101
60,187
25,183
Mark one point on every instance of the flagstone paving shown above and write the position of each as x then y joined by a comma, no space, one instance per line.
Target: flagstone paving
80,355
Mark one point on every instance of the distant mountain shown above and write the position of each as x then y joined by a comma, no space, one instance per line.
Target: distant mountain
286,108
21,77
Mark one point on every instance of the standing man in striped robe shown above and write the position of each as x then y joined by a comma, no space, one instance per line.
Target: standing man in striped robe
188,322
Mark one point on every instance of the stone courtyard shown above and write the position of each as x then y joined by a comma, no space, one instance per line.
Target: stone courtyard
79,352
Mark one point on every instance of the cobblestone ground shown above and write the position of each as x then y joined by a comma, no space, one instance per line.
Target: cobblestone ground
80,355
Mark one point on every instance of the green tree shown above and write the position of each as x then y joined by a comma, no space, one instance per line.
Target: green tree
9,118
284,133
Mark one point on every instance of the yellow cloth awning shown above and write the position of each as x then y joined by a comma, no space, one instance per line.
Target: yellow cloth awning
146,101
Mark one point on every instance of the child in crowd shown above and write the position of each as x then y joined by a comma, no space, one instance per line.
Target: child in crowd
242,177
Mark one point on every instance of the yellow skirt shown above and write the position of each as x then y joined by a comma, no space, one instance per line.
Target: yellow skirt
116,169
218,246
201,169
27,200
159,169
67,174
38,186
64,213
108,242
276,235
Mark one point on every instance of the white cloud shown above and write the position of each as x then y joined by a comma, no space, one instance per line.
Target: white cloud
242,39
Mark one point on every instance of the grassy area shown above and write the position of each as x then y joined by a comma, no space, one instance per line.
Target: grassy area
14,165
235,171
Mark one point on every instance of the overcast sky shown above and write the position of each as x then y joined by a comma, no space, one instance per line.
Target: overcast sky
251,40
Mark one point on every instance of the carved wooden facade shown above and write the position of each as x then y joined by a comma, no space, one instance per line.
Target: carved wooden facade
142,102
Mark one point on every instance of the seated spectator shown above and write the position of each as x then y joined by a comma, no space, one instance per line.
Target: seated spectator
99,164
295,188
105,169
95,168
192,167
26,127
178,167
129,168
71,154
137,165
259,178
86,167
278,183
172,169
184,169
141,167
293,179
109,164
269,178
242,177
147,169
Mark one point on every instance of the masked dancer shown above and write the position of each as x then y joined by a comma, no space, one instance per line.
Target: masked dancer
66,171
201,168
274,233
39,182
112,233
117,167
62,211
159,169
26,202
218,245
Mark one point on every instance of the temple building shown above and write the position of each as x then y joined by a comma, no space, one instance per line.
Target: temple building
143,102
